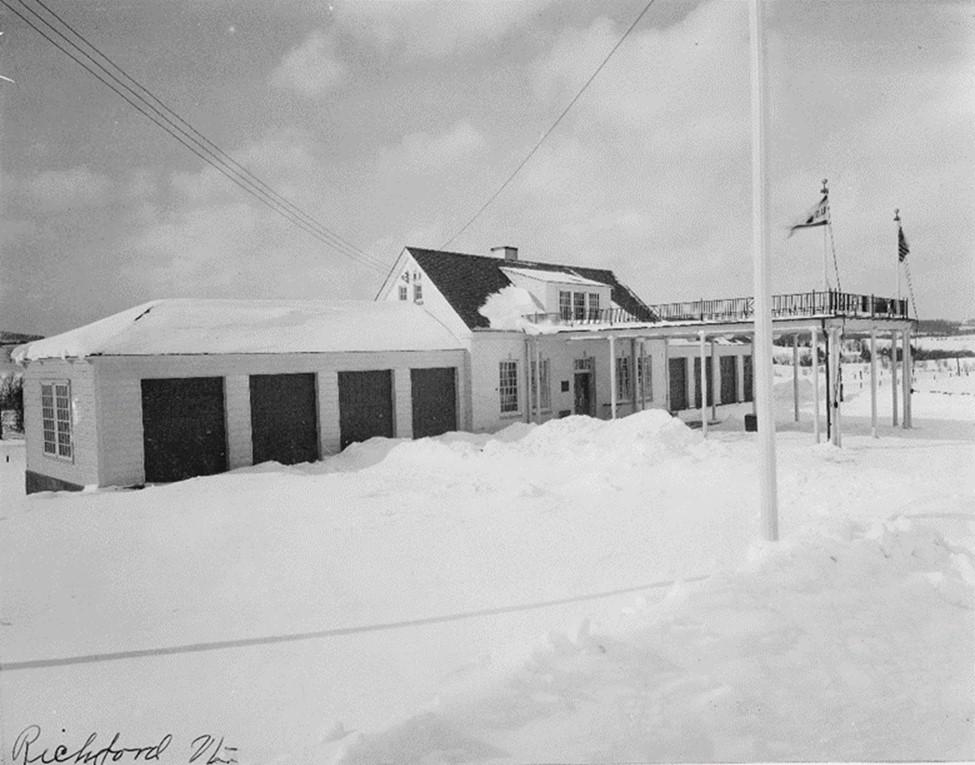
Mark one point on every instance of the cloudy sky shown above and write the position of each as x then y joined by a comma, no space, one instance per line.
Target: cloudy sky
392,122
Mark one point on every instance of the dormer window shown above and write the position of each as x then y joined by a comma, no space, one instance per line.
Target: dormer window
565,305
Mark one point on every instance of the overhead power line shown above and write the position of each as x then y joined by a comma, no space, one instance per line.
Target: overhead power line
154,109
552,127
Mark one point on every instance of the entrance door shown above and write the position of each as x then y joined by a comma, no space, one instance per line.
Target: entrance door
697,381
749,390
729,380
365,405
583,393
678,384
183,429
284,418
434,401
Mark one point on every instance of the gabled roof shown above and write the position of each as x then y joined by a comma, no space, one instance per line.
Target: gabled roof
188,326
466,281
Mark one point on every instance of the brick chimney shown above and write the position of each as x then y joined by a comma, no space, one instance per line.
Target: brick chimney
506,251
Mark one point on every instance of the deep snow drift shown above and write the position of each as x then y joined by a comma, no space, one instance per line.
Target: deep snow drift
511,597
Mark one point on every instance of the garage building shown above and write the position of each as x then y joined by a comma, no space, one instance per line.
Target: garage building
179,388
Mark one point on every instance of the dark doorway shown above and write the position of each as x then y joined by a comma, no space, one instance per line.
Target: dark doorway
434,401
678,384
583,393
284,418
365,405
183,429
697,381
729,380
749,377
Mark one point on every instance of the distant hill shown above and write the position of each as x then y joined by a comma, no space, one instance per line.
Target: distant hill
16,338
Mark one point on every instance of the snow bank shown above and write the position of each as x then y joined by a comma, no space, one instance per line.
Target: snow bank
826,646
507,308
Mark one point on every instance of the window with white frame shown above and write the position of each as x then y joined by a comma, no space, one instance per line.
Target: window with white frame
565,305
56,418
578,306
622,377
508,386
417,293
543,381
403,292
593,306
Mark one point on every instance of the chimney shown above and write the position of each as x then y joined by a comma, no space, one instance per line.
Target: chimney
506,251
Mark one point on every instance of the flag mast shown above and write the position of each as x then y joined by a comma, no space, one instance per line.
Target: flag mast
825,192
897,220
763,299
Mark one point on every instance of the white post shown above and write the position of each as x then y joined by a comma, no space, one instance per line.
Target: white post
814,345
643,374
703,383
893,378
906,379
873,382
538,384
612,377
666,374
715,382
834,347
634,378
761,242
795,376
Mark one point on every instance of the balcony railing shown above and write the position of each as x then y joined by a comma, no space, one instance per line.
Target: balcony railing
795,305
576,318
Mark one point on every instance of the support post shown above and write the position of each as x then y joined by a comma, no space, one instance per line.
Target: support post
666,374
538,384
906,378
714,382
703,382
835,358
795,376
814,346
761,241
893,378
873,382
612,377
642,376
633,374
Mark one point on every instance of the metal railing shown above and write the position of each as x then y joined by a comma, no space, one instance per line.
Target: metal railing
797,304
574,318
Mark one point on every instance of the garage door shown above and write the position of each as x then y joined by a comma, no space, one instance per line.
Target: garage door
365,405
729,380
284,418
434,401
183,431
678,384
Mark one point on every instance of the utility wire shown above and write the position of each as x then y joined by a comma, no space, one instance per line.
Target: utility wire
198,145
552,127
198,136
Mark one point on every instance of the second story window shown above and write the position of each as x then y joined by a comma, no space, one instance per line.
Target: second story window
403,292
578,306
417,293
593,306
565,305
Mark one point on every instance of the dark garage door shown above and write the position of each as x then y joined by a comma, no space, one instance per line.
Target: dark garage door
678,384
365,405
729,380
183,428
284,418
434,401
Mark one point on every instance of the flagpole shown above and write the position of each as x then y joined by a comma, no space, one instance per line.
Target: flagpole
897,219
761,246
825,192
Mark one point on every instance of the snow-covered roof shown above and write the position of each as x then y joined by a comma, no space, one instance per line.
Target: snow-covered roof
190,326
559,277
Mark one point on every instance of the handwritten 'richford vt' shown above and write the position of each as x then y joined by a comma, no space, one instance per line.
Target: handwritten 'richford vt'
25,752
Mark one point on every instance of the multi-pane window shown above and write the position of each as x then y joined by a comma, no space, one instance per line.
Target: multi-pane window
565,305
622,377
644,366
593,306
546,388
403,292
578,306
56,418
508,386
417,293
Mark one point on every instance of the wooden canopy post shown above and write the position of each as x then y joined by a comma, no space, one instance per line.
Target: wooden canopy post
795,376
835,358
906,378
703,382
612,377
633,375
538,383
893,378
814,347
873,382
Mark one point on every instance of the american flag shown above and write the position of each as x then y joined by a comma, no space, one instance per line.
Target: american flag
902,248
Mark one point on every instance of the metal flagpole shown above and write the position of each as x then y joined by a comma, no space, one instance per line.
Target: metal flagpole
825,192
761,246
897,219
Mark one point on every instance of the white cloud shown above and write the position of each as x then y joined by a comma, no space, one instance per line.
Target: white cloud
313,68
72,189
422,152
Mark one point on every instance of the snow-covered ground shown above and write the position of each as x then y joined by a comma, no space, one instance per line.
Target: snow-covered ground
580,591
